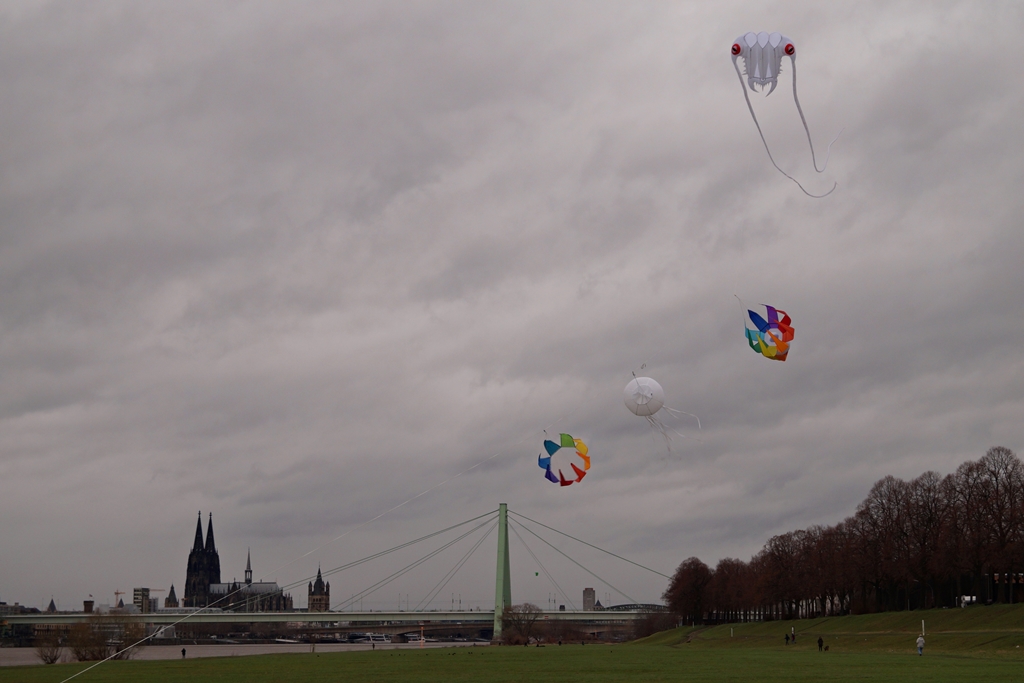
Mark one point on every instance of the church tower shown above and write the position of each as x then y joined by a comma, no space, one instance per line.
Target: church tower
319,595
213,557
203,567
171,601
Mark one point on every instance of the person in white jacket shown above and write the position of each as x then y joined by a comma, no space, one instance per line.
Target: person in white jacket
920,645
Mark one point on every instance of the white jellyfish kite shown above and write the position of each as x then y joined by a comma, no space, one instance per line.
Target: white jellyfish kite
762,60
645,397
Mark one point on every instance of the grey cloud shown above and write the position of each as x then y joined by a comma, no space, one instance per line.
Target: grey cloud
297,265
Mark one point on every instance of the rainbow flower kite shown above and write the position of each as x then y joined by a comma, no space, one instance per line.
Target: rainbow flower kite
769,331
560,458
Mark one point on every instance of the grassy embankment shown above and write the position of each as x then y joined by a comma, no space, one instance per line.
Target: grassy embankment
977,644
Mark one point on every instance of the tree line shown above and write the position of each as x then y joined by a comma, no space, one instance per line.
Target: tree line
933,541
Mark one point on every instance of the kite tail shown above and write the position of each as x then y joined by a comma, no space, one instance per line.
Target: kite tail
743,86
808,130
664,429
677,413
660,426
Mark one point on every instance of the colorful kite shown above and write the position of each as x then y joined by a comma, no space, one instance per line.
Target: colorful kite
769,331
762,60
560,457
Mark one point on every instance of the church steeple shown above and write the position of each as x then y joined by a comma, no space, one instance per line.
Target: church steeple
248,567
319,595
198,543
318,585
210,546
203,567
171,601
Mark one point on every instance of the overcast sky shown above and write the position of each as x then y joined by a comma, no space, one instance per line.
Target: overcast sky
294,264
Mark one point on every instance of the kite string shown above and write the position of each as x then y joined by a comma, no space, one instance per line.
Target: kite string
743,86
808,130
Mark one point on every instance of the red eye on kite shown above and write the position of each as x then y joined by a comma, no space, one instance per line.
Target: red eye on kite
790,49
736,49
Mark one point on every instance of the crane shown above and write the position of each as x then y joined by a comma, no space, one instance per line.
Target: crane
117,595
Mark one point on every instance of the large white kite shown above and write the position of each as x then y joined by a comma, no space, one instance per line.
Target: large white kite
762,60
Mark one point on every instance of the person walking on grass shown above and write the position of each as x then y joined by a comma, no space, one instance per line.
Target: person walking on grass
820,643
920,645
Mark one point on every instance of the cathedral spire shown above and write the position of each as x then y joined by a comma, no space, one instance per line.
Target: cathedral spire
248,567
210,546
318,585
198,544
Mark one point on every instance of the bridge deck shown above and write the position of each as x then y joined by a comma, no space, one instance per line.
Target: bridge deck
349,618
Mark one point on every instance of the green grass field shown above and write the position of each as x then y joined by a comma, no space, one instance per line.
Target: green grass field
977,644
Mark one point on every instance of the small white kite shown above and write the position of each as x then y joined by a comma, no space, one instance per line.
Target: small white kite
645,397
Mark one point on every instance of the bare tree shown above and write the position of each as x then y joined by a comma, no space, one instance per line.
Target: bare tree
687,592
48,647
126,636
117,635
518,621
87,641
910,545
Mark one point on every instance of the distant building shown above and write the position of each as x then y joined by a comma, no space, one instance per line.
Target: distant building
203,567
588,599
171,601
52,607
140,598
251,596
17,608
203,587
319,594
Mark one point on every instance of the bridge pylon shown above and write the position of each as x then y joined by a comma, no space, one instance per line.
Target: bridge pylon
503,579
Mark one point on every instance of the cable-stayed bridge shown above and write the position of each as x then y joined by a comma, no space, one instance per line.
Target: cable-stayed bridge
398,621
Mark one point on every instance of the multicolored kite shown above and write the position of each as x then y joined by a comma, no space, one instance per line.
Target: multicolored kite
560,458
769,331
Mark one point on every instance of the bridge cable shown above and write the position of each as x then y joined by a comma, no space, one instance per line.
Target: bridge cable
579,565
544,569
354,563
653,571
409,567
453,571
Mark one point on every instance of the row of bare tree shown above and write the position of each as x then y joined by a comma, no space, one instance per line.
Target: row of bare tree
99,637
931,542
